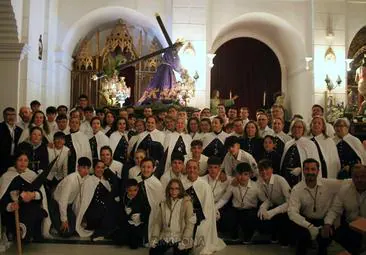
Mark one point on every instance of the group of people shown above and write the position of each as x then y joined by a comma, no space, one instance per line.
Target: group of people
169,180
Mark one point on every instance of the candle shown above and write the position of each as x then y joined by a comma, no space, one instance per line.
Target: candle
264,98
230,95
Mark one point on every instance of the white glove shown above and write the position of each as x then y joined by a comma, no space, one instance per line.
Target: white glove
185,244
295,171
218,215
193,219
314,231
136,218
153,243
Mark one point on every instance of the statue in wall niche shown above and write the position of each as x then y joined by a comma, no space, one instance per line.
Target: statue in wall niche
360,78
40,47
216,100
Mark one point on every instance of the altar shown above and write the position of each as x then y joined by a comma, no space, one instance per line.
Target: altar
102,50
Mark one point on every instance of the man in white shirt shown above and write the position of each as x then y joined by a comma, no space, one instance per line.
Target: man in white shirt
244,115
238,128
246,196
85,126
350,201
235,155
67,199
273,211
309,203
262,120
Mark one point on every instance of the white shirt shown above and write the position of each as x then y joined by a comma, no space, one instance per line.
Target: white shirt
266,131
133,172
59,169
218,187
229,164
244,197
312,203
12,134
68,191
349,201
22,124
168,175
86,128
277,193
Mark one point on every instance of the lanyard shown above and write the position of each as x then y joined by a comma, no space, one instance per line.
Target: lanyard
313,197
243,196
268,194
171,212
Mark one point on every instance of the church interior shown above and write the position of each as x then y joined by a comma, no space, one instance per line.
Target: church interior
250,54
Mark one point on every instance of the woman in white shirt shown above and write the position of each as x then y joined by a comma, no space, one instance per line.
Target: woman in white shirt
98,140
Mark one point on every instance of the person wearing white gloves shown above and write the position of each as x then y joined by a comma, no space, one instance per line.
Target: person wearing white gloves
309,203
273,211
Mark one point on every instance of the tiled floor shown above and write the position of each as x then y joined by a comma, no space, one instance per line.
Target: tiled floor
75,249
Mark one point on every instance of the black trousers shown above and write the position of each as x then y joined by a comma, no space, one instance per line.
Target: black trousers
56,221
278,227
349,239
163,247
130,235
245,219
303,238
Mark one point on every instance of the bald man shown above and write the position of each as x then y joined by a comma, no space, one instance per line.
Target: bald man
25,114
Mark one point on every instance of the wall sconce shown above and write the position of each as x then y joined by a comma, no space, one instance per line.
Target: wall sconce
211,56
307,63
348,62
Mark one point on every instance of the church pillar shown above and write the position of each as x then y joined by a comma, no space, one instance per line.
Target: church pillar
9,72
63,67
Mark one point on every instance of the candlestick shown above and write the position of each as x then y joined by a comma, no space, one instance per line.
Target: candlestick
264,98
230,95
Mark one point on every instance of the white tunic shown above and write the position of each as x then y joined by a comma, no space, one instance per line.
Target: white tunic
355,144
59,169
203,163
229,164
86,128
170,142
81,146
115,138
218,187
102,140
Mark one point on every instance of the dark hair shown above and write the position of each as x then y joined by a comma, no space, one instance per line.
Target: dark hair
177,156
220,119
95,118
231,141
8,109
45,124
83,96
265,164
238,120
96,161
270,137
84,161
115,124
131,115
131,183
88,109
104,124
62,106
228,125
34,103
61,117
19,154
106,147
31,130
172,107
51,110
59,135
311,160
256,127
148,159
213,160
189,122
196,143
243,167
319,106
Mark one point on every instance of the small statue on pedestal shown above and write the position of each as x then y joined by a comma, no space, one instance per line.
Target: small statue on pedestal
360,78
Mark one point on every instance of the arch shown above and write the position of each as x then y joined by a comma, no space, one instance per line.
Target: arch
101,16
288,45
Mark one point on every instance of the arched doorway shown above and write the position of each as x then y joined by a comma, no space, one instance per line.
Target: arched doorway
248,68
288,45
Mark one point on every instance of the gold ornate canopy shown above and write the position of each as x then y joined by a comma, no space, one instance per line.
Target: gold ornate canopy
127,40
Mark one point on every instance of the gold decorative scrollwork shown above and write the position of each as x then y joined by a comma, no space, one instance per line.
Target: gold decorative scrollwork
119,37
84,60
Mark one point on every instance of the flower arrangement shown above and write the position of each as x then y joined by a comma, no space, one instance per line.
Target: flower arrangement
187,87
